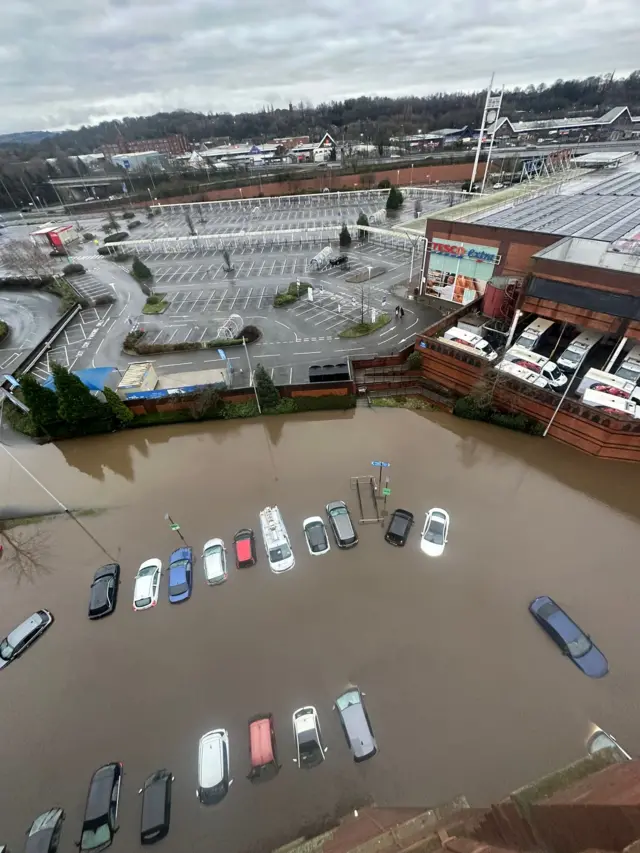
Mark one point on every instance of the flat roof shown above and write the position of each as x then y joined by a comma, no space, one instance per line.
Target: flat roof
623,256
135,373
595,158
598,206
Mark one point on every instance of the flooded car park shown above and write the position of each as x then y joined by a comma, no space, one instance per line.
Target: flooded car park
465,692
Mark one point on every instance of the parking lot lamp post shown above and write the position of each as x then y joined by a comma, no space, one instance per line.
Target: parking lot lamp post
251,377
411,181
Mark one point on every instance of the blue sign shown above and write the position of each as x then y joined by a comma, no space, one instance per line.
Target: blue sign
222,354
126,164
422,344
381,464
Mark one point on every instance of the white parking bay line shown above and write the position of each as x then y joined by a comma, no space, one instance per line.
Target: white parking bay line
195,302
222,299
248,297
234,299
315,352
388,332
261,295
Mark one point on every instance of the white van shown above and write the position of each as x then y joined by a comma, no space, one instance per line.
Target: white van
213,767
611,404
608,383
535,333
456,335
522,373
630,367
578,350
538,364
276,540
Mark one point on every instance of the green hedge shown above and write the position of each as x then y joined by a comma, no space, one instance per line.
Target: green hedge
468,407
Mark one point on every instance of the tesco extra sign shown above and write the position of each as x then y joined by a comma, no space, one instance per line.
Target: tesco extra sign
468,253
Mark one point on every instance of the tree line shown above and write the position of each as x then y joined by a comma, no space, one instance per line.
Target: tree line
23,167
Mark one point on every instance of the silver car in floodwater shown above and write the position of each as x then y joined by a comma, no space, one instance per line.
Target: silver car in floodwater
356,724
214,558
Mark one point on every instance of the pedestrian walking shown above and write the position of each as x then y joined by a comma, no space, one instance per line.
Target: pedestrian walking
397,311
402,313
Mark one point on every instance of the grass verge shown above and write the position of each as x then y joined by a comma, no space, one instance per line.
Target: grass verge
155,307
359,330
4,330
416,404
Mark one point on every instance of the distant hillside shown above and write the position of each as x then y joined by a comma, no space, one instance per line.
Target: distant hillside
27,137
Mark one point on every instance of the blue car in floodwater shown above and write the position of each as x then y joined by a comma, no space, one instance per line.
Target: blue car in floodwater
573,641
180,575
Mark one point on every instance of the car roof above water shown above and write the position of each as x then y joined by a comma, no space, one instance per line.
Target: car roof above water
26,628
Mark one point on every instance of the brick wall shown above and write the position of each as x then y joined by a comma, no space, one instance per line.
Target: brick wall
422,176
240,395
593,432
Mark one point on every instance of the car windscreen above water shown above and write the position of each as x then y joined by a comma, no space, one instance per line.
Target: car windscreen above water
435,532
278,554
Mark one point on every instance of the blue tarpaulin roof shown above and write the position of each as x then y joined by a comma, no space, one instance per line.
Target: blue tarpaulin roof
93,377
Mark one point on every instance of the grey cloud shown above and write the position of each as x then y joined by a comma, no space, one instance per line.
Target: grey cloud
90,61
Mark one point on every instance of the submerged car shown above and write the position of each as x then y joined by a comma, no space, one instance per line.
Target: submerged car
341,524
15,643
214,558
356,724
435,532
100,822
147,584
43,836
308,737
316,535
244,543
104,591
180,575
156,806
569,637
213,767
603,740
399,527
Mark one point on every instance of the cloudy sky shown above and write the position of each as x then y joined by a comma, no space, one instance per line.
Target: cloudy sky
75,62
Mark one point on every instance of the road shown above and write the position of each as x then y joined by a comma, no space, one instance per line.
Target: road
29,314
202,297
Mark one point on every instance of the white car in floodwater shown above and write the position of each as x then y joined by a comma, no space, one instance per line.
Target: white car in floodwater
147,584
602,740
435,532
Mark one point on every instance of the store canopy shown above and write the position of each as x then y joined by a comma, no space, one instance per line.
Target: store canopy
93,377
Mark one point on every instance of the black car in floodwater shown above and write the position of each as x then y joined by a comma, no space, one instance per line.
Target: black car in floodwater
43,836
103,596
100,822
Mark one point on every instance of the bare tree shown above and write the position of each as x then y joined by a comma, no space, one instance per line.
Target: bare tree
26,259
22,552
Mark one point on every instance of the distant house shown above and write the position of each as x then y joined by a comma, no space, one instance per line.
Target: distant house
313,152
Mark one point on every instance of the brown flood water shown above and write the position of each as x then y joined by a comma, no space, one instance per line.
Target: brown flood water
465,693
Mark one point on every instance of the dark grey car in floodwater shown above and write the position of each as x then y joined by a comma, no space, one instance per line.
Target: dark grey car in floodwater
341,524
356,724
